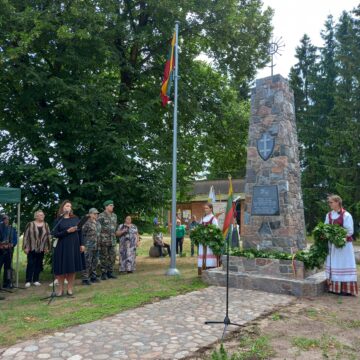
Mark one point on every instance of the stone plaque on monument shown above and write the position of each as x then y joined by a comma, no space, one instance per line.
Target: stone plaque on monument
273,213
265,200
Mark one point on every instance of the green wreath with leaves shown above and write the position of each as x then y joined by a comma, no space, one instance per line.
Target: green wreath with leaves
314,257
210,236
335,234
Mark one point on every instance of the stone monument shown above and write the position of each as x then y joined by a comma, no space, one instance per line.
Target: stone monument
274,212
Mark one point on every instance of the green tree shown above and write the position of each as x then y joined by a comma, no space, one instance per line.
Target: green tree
327,112
79,101
343,146
303,79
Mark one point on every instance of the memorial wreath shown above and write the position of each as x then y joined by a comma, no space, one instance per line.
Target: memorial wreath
314,257
210,236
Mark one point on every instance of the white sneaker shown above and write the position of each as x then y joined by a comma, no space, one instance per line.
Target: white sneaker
36,283
27,285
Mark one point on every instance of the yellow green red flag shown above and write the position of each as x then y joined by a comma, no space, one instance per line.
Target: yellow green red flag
229,213
168,73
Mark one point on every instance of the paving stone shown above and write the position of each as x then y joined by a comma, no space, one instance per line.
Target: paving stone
181,354
11,351
156,330
66,354
43,356
75,357
31,348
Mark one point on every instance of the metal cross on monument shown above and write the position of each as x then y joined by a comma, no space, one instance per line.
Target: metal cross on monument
275,47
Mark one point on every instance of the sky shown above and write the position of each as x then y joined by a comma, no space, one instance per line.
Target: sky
293,18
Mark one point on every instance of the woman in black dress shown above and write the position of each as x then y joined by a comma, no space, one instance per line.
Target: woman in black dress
67,253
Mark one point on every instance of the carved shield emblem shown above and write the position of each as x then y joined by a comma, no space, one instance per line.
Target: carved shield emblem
265,146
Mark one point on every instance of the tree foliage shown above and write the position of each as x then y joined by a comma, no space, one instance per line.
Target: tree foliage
326,88
79,95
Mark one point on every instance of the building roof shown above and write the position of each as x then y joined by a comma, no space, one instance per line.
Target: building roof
200,189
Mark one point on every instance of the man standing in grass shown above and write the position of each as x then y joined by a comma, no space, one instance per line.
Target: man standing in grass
8,241
91,233
108,222
180,233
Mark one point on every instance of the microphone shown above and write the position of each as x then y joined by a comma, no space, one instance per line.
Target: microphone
64,213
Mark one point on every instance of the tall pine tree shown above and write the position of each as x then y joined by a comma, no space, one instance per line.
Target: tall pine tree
327,99
303,78
343,146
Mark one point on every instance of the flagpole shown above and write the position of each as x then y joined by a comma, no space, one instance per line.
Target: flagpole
173,270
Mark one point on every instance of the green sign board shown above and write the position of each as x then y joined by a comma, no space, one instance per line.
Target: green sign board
9,195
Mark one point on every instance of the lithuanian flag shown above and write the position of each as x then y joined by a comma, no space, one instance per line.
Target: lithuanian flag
168,73
229,213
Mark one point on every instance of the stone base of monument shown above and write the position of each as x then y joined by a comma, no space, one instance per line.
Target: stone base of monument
270,275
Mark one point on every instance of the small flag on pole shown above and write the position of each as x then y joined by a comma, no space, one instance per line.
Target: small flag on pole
168,73
229,213
212,196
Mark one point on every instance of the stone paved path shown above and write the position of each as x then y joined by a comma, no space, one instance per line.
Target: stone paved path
169,329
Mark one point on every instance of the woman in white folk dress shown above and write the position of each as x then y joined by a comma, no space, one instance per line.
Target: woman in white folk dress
340,262
206,258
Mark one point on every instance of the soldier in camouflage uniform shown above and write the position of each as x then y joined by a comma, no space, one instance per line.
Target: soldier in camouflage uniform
91,236
108,222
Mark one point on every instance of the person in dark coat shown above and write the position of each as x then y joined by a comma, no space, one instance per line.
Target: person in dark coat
8,241
68,258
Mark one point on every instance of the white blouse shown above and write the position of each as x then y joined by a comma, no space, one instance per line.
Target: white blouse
348,223
207,218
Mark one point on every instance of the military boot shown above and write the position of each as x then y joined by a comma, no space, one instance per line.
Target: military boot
110,275
104,276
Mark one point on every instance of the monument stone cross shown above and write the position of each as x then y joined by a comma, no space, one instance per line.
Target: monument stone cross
265,146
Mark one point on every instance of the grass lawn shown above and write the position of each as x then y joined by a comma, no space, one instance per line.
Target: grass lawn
23,315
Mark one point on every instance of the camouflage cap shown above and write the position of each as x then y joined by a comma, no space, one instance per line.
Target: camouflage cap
93,211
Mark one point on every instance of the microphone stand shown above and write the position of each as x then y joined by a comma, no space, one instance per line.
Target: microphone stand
226,320
52,296
5,290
